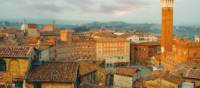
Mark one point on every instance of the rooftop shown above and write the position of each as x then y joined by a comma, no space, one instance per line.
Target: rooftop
105,33
53,72
111,40
9,31
166,76
49,33
18,51
43,47
82,38
148,44
192,74
87,67
127,71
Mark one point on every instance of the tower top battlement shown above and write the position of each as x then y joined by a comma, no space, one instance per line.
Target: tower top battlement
167,3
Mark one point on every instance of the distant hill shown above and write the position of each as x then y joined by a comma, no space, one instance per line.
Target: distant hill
119,26
40,25
182,31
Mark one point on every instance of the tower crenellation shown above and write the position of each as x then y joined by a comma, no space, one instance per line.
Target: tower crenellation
167,3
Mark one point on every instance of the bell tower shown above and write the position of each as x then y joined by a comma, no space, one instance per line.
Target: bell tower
167,26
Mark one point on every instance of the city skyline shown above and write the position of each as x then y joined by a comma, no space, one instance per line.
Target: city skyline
131,11
111,54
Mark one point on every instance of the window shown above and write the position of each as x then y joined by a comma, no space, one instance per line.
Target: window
2,65
18,85
118,57
37,85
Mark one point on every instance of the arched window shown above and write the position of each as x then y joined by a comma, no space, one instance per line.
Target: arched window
2,65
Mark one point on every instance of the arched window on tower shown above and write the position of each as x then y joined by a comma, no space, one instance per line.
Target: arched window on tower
2,66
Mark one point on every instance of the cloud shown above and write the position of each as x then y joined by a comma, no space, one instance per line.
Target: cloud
97,10
54,7
121,7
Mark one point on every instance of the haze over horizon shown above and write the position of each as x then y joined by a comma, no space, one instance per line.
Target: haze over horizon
82,11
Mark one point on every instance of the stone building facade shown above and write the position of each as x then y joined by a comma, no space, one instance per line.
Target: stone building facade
183,51
142,53
113,47
86,47
14,63
125,77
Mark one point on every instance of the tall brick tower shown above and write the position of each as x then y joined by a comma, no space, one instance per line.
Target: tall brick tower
167,26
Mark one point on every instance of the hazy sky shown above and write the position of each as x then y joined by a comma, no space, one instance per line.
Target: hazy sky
132,11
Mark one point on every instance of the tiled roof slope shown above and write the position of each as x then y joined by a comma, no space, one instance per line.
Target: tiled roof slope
17,51
87,67
53,72
166,76
127,71
192,74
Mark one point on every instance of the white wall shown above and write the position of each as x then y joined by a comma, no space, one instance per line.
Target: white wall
121,81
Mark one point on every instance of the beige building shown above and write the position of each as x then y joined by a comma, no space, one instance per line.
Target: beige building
85,46
48,27
197,38
31,30
14,63
138,37
125,77
63,51
113,47
66,35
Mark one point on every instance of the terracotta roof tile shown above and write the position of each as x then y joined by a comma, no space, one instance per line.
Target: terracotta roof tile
166,76
87,67
18,51
192,74
53,72
128,71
